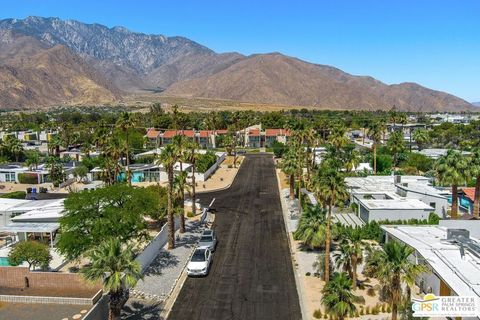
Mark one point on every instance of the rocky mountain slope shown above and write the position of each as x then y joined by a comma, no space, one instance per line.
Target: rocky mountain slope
91,63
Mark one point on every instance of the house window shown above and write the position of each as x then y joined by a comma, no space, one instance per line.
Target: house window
433,205
10,177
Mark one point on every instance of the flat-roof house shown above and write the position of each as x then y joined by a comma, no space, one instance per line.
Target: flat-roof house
452,256
437,153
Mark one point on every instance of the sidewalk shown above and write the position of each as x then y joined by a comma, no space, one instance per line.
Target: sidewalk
148,298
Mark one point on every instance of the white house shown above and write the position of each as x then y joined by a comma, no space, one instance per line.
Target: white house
452,256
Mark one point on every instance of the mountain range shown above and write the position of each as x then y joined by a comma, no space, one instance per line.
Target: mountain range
49,61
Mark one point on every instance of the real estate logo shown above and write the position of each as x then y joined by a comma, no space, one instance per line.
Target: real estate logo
446,306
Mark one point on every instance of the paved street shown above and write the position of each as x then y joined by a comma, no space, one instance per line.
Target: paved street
252,275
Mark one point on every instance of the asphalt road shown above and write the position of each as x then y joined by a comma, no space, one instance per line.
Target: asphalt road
251,276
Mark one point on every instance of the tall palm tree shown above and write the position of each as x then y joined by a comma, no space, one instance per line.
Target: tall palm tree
396,145
125,122
179,186
356,243
421,137
342,258
452,169
180,146
337,296
191,156
375,132
168,158
329,185
33,159
338,138
311,227
114,264
393,267
474,165
289,167
14,146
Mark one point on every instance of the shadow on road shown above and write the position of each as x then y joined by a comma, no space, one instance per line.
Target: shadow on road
138,310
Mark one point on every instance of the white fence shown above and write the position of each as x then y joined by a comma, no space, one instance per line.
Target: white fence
204,176
154,247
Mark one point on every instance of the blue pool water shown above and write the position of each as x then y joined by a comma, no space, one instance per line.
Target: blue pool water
463,202
136,177
4,262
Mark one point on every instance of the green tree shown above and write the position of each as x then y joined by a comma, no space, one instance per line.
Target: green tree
289,167
36,254
375,132
393,267
80,172
14,147
421,137
167,159
113,263
396,145
452,169
191,156
474,164
33,159
330,187
116,211
311,227
354,239
55,168
125,123
337,296
180,185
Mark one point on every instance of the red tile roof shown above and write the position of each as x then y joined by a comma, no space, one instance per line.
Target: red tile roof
205,133
221,131
152,133
254,132
470,193
172,133
276,132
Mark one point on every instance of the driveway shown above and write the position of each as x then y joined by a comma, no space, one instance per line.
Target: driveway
251,275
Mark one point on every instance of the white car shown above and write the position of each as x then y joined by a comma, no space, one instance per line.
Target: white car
208,240
199,264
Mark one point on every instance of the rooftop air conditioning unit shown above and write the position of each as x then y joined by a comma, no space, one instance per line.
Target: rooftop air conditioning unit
398,179
453,234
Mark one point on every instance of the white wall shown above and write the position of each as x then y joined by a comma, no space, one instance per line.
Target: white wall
389,214
441,204
471,225
199,176
153,248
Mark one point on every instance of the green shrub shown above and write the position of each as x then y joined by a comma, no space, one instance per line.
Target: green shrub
371,292
205,161
367,310
14,195
190,214
308,274
389,309
317,314
28,178
278,148
375,310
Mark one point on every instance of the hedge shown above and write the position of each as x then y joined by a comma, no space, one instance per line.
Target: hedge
28,178
14,195
205,161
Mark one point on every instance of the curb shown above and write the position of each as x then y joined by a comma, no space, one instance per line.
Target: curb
223,188
300,289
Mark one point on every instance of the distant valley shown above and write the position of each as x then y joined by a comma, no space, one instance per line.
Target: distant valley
50,62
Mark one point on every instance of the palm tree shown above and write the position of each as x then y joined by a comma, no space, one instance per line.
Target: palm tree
357,245
338,298
125,122
421,137
115,266
338,138
396,145
180,145
179,186
375,132
475,170
452,169
329,186
393,267
342,258
168,158
33,159
192,156
311,227
289,167
14,146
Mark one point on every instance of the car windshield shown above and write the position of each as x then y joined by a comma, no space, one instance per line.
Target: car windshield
206,238
198,256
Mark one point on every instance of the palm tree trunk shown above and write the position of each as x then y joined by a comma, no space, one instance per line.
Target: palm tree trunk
194,196
182,204
374,158
476,203
170,221
127,169
327,245
396,295
454,212
292,186
354,271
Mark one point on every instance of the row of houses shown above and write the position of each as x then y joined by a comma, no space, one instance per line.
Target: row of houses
30,137
252,137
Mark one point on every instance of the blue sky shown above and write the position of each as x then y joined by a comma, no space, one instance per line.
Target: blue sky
434,43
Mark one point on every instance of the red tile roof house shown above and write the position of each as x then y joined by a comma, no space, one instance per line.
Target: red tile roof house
280,135
169,134
466,199
153,137
206,139
254,138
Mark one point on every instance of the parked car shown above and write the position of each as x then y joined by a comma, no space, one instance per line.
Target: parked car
199,264
208,240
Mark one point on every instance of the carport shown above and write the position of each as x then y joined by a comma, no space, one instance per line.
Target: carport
37,230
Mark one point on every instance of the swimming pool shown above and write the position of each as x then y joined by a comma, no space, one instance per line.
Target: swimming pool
136,177
4,262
